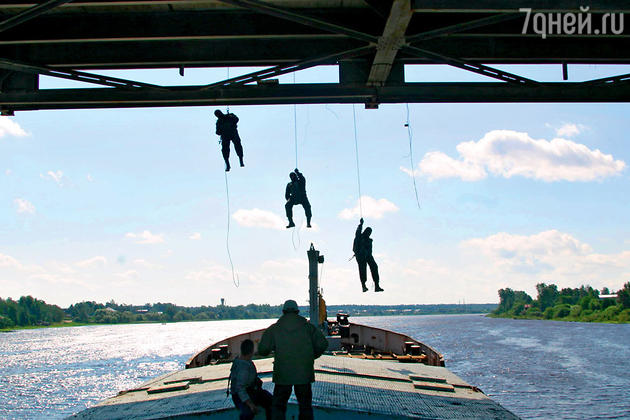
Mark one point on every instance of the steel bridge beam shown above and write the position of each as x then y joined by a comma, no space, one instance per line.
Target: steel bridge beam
391,41
262,7
78,76
31,13
503,6
312,94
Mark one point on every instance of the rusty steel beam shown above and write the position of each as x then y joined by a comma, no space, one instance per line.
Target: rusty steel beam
31,13
390,42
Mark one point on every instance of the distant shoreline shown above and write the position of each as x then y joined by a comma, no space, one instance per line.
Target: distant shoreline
84,324
29,312
565,319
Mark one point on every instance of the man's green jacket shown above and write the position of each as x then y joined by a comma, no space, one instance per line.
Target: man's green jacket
296,343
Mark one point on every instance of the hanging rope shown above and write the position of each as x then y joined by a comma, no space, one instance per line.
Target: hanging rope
295,247
235,278
295,136
413,172
296,231
356,151
227,107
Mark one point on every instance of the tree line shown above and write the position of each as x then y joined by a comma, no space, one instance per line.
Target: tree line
579,304
28,311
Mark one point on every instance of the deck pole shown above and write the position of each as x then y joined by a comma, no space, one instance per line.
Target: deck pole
313,259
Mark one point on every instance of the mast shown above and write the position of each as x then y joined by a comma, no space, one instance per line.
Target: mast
313,292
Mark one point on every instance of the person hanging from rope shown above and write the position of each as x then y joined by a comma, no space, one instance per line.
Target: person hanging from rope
226,128
362,248
296,194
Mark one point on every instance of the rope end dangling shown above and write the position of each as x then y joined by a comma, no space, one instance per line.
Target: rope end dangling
413,172
235,279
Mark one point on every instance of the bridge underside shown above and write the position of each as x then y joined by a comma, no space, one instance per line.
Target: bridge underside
369,40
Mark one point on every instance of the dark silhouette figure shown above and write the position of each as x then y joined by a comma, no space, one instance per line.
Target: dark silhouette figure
296,194
226,128
362,248
246,386
296,344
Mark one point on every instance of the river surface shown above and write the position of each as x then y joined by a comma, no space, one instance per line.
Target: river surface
536,369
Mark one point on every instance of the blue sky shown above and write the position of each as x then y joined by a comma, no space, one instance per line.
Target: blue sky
130,205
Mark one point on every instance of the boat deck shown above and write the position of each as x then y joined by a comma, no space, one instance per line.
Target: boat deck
345,387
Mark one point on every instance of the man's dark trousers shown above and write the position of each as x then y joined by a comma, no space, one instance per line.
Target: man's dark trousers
260,397
363,263
225,146
281,394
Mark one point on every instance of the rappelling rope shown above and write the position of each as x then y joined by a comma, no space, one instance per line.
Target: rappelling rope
413,172
227,107
295,141
235,278
295,135
356,151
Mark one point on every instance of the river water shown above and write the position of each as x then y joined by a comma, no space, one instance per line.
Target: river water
536,369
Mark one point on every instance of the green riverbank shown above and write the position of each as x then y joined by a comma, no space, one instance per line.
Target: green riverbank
583,304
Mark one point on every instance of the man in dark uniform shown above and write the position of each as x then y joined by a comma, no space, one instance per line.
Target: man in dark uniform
226,128
296,194
296,344
362,248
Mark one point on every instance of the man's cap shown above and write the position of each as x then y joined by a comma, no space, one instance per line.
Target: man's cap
290,306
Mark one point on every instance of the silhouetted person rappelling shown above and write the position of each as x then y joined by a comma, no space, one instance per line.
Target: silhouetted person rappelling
226,128
362,248
296,194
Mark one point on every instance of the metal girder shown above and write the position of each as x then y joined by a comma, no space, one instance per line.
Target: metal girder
622,78
391,41
473,67
313,93
289,68
460,27
320,24
30,13
262,7
484,6
73,75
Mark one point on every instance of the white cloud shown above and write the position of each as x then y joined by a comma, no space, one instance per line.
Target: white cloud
98,261
195,236
550,257
528,250
569,130
510,153
409,172
7,261
54,279
11,128
56,176
146,237
128,275
210,272
439,165
24,206
8,172
90,178
146,264
372,208
259,218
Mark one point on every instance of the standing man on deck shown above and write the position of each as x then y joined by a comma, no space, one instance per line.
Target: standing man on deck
296,344
226,128
362,248
295,194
